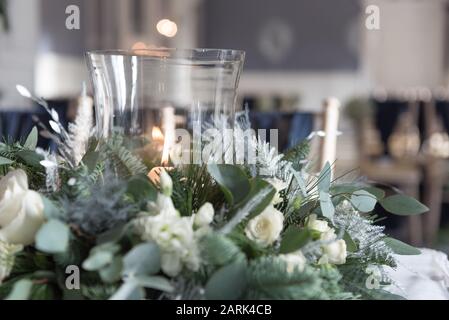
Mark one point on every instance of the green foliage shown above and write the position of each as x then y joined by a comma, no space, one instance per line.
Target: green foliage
267,278
232,181
403,205
218,250
192,187
294,239
400,247
53,237
228,282
298,154
124,162
17,155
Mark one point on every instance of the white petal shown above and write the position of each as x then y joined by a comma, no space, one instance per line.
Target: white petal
55,126
23,91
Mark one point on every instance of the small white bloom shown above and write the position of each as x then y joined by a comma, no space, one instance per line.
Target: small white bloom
295,261
266,227
279,185
21,210
174,235
166,183
334,253
171,264
315,224
204,216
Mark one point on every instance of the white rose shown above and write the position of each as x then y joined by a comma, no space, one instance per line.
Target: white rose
204,216
21,210
295,261
329,235
266,227
279,185
166,183
318,225
334,253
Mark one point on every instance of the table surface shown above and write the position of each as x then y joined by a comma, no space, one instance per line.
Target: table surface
421,277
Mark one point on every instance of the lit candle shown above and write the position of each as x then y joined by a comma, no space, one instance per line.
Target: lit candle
165,140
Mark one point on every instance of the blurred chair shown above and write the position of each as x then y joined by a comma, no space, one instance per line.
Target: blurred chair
404,173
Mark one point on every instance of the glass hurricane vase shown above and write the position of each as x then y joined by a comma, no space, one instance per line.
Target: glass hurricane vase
149,94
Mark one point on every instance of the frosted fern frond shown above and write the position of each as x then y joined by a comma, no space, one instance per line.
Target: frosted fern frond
7,257
368,237
79,131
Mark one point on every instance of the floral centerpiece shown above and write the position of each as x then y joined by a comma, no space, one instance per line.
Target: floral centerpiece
88,223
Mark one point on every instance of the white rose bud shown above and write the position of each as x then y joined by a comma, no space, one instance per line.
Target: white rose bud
295,261
318,225
279,185
266,227
334,253
204,216
21,210
166,183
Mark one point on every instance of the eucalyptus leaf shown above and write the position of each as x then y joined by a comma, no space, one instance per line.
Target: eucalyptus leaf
154,282
400,247
351,246
98,260
53,237
31,140
31,158
129,290
377,192
21,290
403,205
294,239
101,256
5,161
228,282
326,205
324,179
363,201
232,181
257,185
113,272
143,259
51,211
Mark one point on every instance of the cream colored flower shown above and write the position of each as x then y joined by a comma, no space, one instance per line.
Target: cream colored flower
166,183
204,216
295,261
334,253
315,224
266,227
279,185
21,210
173,234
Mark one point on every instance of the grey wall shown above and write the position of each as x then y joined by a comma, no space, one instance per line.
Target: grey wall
285,34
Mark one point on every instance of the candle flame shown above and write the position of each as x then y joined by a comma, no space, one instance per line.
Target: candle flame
157,134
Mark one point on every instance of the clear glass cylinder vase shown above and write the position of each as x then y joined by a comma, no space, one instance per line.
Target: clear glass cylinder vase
150,93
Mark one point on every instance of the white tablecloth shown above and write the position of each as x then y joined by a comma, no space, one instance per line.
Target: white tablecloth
421,277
